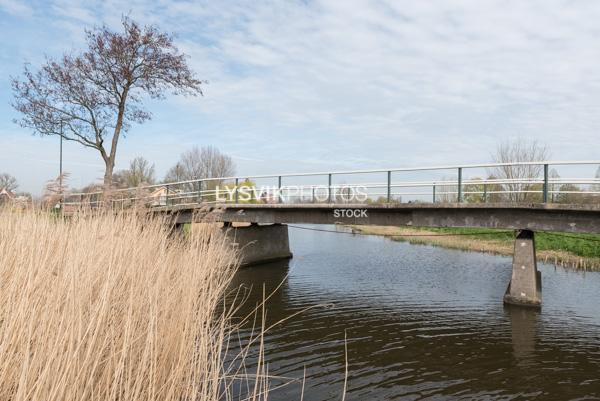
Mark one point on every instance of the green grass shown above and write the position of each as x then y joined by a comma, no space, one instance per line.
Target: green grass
577,244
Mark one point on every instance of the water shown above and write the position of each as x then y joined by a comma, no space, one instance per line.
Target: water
421,323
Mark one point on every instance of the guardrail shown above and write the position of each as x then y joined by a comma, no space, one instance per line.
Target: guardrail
384,189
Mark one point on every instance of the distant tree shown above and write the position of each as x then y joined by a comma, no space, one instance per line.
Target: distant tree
519,151
55,191
474,193
567,194
25,195
495,192
140,172
553,188
205,162
446,193
94,97
248,192
198,163
8,182
175,173
93,187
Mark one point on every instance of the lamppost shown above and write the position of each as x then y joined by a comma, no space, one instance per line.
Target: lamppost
60,168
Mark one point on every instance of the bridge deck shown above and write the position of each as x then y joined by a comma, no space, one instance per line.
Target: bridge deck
536,217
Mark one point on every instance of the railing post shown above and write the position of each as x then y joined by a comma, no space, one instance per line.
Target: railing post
433,193
279,189
200,191
545,197
329,188
459,184
389,186
484,193
237,181
167,195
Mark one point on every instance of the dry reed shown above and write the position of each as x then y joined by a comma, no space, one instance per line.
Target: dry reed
111,307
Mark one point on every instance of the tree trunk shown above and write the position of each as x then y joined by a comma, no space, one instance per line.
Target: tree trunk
108,174
110,159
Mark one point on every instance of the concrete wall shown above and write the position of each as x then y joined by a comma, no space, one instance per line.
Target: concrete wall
260,244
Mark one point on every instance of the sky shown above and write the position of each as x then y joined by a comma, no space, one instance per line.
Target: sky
300,86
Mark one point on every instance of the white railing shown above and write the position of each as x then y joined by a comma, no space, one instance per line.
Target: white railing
542,189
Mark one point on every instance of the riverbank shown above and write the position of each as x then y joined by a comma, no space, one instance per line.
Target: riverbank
577,251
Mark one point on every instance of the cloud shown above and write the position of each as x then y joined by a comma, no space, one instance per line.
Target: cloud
16,7
364,83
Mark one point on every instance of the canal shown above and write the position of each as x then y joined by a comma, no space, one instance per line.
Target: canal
420,322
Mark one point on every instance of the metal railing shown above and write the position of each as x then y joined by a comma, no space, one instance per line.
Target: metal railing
381,186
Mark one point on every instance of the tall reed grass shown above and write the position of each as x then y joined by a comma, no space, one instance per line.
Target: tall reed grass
111,307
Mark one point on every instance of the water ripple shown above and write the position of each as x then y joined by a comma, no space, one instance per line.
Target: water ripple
421,323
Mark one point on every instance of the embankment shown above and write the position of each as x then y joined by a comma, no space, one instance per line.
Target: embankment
578,251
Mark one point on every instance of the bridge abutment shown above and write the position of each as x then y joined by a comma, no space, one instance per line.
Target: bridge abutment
525,287
260,243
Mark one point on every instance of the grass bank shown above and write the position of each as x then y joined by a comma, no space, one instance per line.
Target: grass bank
579,251
111,307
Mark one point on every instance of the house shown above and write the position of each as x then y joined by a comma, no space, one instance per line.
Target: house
6,196
158,197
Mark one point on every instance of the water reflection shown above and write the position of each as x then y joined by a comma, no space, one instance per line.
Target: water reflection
523,327
421,322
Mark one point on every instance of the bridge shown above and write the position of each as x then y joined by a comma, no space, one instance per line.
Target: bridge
533,217
524,196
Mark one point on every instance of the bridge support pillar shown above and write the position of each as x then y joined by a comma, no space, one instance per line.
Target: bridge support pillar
260,243
525,287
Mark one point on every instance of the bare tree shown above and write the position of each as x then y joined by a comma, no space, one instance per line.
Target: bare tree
175,173
205,162
446,193
94,97
140,172
55,191
519,151
197,163
8,182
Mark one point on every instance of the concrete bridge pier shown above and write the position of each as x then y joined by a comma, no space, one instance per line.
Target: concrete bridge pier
525,287
259,243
